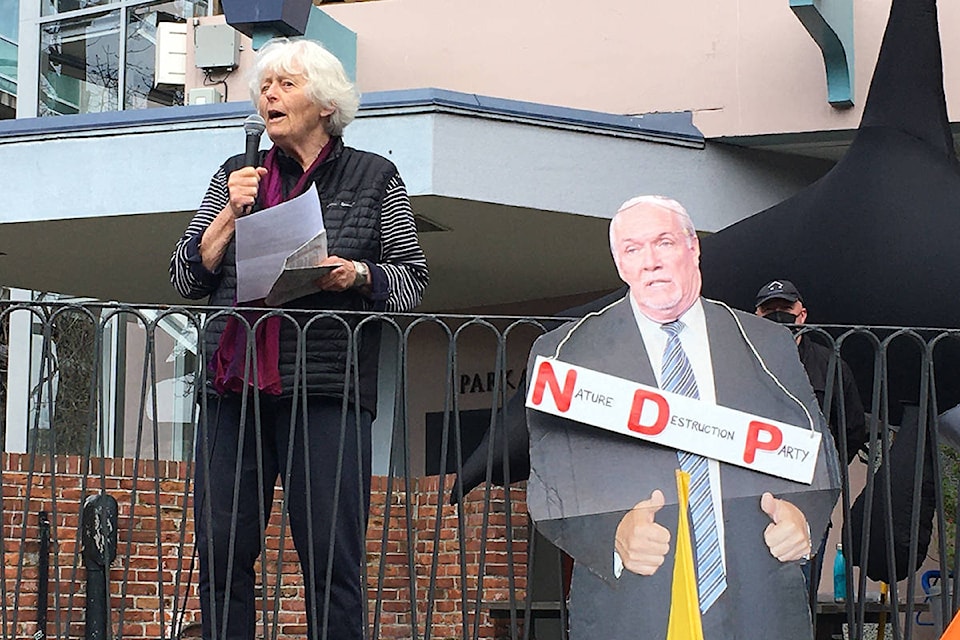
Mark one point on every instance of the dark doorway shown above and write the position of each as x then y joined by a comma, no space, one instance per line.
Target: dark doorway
473,425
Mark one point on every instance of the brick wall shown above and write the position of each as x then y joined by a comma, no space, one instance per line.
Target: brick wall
414,578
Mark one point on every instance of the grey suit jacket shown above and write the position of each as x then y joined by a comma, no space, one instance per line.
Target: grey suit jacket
583,480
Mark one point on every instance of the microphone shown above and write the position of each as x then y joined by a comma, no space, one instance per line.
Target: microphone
253,127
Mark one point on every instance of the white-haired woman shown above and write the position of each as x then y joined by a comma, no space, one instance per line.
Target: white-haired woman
303,94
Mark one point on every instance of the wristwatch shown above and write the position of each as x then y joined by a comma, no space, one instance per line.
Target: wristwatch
363,271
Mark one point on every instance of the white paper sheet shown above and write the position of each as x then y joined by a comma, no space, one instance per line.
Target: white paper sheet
266,239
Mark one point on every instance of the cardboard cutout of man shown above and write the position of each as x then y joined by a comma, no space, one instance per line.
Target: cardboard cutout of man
611,502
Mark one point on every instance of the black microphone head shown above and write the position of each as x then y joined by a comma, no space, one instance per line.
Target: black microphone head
254,125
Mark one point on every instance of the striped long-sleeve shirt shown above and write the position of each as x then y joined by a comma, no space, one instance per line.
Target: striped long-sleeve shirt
399,277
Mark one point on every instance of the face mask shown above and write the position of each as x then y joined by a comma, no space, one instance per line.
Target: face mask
781,317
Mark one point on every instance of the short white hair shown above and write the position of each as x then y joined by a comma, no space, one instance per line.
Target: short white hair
664,203
327,82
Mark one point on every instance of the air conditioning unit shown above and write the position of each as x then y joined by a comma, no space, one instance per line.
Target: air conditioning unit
170,54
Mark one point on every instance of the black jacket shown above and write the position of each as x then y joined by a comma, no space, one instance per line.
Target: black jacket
816,360
351,185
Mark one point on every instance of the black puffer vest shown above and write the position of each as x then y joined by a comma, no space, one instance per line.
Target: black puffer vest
351,185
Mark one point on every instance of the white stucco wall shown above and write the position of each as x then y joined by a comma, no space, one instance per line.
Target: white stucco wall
134,169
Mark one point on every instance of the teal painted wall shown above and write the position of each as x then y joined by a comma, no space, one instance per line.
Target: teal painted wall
830,24
338,40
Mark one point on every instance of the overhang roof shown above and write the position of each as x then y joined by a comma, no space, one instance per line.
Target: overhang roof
517,195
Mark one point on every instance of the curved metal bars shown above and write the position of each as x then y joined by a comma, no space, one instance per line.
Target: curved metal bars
424,362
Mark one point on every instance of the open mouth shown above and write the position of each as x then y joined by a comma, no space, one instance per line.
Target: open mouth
274,115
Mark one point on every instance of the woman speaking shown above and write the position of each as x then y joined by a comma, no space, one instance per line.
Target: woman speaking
306,100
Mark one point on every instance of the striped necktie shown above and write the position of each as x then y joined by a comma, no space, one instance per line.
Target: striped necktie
677,377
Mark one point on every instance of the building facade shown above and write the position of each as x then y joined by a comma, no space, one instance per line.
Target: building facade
518,127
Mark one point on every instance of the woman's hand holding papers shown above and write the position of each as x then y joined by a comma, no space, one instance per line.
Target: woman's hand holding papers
343,277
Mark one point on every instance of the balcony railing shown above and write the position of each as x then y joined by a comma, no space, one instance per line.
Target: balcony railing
105,406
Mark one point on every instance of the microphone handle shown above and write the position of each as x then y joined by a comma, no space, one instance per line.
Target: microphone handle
252,154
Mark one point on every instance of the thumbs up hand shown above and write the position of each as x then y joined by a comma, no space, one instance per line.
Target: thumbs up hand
788,534
641,543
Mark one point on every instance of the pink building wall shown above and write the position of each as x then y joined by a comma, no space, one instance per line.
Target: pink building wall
742,66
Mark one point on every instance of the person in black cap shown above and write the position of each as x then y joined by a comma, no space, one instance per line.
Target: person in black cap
780,301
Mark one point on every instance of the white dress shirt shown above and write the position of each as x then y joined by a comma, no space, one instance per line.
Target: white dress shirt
696,344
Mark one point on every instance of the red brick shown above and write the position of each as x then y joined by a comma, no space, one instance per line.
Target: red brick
140,521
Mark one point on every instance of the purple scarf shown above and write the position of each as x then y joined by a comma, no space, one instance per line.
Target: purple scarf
229,360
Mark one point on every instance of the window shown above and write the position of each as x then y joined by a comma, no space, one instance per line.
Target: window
98,56
9,23
79,65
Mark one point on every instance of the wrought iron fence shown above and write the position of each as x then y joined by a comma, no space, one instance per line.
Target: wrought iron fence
106,406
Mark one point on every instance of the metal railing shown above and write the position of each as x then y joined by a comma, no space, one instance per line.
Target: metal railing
106,405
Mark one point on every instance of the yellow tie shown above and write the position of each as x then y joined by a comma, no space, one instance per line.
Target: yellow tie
685,622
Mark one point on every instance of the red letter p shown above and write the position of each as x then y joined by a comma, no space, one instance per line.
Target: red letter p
754,443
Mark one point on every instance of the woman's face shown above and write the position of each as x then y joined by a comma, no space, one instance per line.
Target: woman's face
292,117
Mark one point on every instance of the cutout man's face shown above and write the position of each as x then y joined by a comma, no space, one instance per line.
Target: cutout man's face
658,259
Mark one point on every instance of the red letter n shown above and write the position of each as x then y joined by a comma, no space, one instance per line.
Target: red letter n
546,376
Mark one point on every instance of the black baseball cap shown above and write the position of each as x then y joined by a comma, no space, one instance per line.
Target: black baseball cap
778,289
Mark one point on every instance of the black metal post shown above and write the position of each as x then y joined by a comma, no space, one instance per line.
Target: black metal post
99,528
43,569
